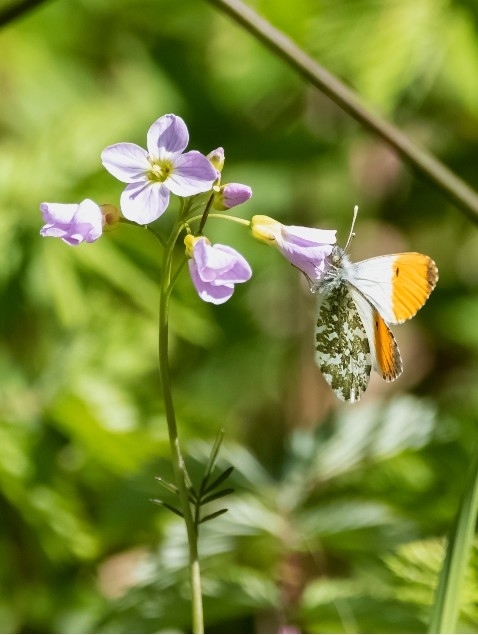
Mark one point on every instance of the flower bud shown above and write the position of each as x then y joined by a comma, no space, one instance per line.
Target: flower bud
230,195
217,158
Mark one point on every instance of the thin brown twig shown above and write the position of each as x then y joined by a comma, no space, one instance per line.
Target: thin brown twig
422,160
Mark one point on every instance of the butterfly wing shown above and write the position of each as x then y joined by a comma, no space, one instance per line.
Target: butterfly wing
398,285
342,344
384,353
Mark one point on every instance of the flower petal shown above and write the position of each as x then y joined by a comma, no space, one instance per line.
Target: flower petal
85,224
193,173
89,219
126,161
144,202
237,270
216,294
309,259
304,236
168,135
58,212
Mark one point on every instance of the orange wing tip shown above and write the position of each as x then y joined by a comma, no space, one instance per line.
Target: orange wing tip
414,277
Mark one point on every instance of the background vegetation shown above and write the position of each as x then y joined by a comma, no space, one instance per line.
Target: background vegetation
339,512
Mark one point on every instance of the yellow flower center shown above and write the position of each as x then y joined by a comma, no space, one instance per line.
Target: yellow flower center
160,170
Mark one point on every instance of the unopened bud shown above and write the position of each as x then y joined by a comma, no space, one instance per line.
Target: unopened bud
230,195
217,158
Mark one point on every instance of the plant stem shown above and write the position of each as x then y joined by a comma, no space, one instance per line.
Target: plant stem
425,162
446,607
178,461
235,219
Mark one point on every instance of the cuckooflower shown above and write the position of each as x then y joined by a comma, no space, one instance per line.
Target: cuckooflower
305,247
215,269
230,195
154,173
74,223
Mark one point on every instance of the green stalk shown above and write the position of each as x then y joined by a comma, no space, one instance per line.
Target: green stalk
177,459
422,160
446,607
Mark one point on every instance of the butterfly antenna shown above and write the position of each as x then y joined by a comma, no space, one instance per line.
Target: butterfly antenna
352,233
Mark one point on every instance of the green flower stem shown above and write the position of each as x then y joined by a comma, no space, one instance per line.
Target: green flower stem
446,607
425,162
241,221
125,221
178,461
205,213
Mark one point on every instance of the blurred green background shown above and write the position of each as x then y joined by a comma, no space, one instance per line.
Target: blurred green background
337,521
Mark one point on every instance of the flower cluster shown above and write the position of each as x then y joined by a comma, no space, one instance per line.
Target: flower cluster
164,168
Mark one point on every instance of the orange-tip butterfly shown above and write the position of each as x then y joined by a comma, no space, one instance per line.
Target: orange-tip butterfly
356,303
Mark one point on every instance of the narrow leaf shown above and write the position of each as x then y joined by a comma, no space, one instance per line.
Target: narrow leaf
211,516
167,506
169,486
220,479
216,495
447,599
212,458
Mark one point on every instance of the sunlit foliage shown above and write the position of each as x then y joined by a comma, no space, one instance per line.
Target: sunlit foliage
338,515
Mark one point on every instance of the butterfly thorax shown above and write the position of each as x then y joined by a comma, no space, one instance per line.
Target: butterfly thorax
338,270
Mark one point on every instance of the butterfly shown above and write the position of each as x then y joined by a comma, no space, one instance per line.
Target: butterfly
356,303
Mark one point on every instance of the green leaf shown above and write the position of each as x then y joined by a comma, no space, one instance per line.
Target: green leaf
447,600
214,515
158,501
213,457
216,495
169,486
220,479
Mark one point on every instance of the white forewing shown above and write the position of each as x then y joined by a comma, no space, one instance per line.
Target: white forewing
374,279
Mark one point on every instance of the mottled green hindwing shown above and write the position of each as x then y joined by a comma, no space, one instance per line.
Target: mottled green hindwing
343,350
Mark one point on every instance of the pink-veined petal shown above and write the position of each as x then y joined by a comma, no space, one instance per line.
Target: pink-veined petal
50,231
58,212
221,263
144,202
85,224
167,136
126,161
305,236
88,215
208,292
193,173
309,259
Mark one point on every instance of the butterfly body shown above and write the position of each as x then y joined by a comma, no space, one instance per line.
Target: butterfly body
356,303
